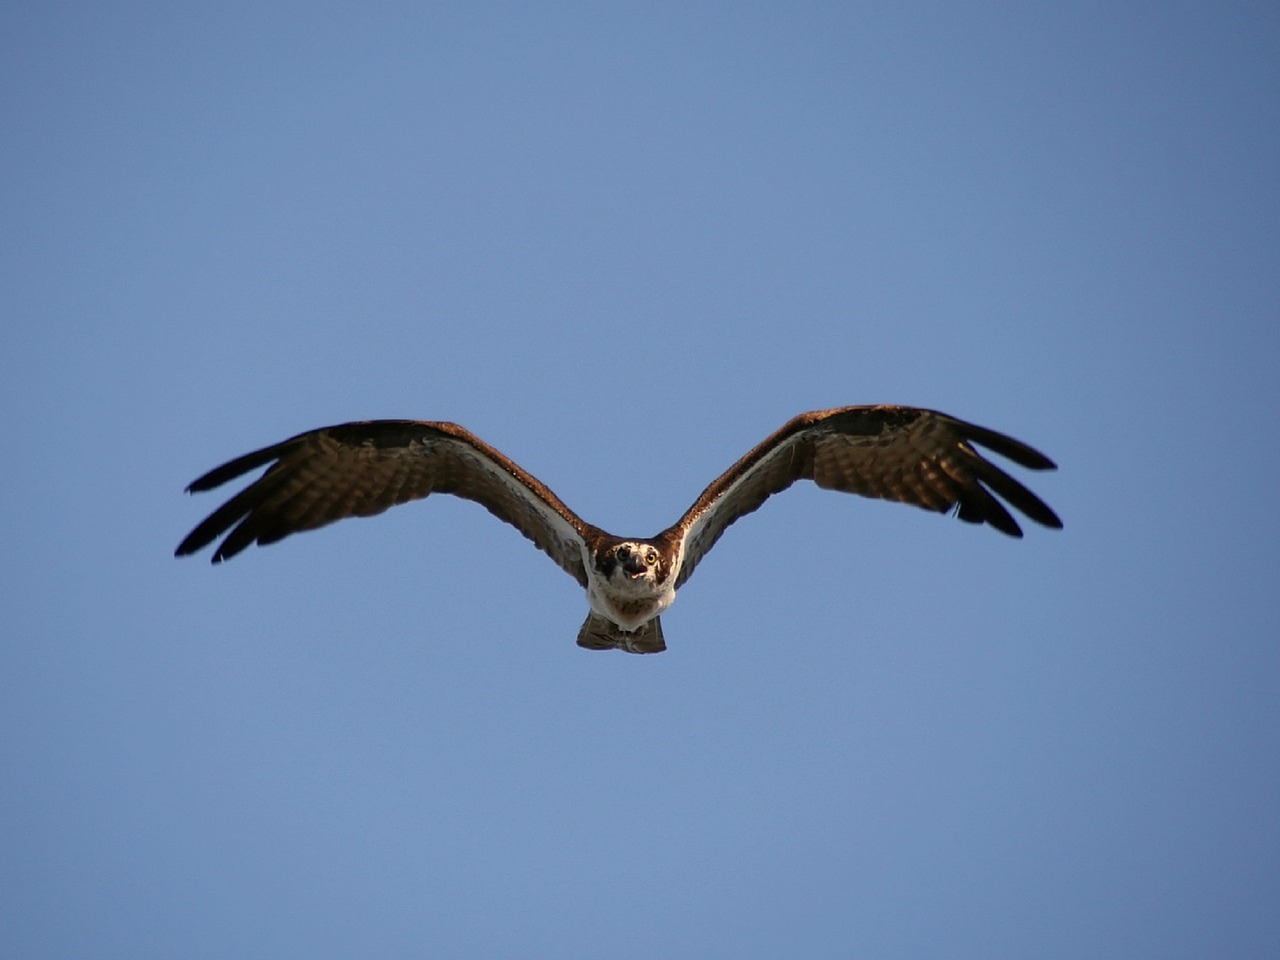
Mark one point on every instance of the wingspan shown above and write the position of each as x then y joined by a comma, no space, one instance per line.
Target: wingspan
361,469
907,454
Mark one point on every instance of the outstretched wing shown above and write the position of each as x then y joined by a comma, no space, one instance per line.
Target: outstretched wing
907,454
361,469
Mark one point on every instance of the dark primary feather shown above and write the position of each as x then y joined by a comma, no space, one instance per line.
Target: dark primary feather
907,454
361,469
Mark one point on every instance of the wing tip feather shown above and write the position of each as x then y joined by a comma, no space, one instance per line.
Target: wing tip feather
1023,454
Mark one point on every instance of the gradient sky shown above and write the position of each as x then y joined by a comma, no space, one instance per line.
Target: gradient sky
622,243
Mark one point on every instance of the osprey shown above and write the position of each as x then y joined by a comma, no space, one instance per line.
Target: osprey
906,454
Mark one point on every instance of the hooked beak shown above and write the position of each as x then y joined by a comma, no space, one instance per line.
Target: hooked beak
634,566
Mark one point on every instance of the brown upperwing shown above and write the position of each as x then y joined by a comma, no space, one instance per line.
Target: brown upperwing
907,454
361,469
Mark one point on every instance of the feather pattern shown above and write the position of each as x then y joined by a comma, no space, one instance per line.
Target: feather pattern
907,454
361,469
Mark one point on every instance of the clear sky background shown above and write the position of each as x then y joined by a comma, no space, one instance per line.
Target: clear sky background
622,243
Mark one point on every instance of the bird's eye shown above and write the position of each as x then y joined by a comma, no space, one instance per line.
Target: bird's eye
624,552
651,558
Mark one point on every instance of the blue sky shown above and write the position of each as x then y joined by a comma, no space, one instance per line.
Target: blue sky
622,243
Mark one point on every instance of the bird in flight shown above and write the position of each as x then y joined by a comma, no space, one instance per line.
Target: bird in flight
908,454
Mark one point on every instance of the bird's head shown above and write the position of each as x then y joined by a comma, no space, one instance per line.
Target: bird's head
632,563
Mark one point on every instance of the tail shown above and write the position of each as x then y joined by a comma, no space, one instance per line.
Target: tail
597,633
